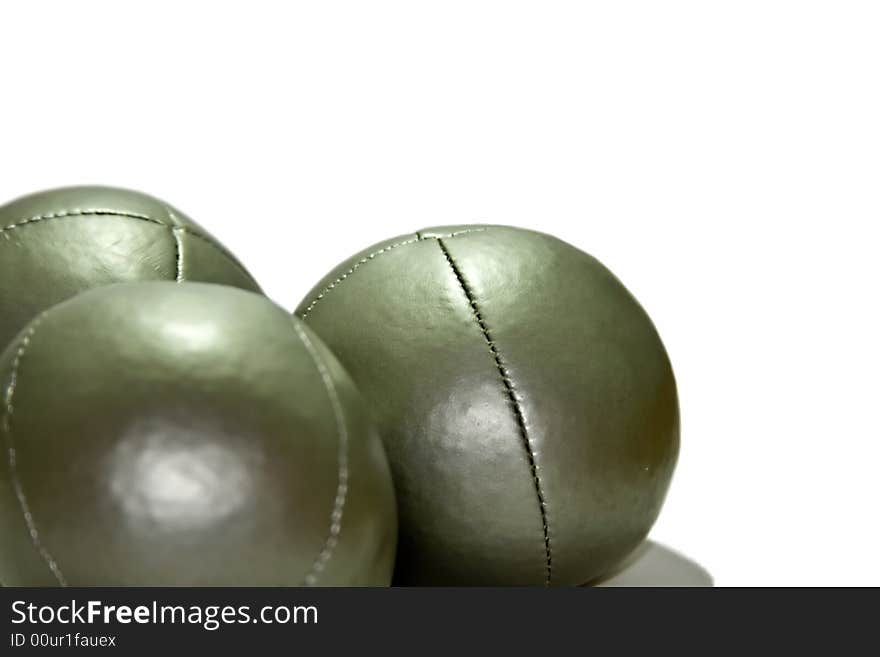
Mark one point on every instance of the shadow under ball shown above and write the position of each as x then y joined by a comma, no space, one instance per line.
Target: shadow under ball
526,402
57,243
186,435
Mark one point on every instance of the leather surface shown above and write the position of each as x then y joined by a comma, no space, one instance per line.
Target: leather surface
56,243
527,404
186,434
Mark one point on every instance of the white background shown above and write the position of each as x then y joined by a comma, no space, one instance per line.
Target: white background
722,158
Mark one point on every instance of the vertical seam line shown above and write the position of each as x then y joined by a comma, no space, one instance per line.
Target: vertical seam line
176,233
332,539
14,477
514,402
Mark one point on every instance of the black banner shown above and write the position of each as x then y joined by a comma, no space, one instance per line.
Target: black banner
135,621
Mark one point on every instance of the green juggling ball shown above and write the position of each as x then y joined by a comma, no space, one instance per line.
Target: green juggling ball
186,434
56,243
526,402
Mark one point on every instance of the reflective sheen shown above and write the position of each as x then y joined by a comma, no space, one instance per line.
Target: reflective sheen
158,475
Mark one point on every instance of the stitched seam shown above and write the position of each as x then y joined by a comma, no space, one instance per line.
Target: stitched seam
514,402
353,269
375,254
456,233
77,213
5,230
13,463
342,477
178,253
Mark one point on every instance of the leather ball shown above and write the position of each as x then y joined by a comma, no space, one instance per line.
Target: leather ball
56,243
527,404
186,435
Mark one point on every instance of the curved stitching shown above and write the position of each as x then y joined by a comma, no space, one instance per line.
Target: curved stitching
13,463
452,234
514,402
353,269
78,213
342,478
375,254
5,230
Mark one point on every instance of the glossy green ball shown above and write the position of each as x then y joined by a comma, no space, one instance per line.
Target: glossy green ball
527,404
57,243
186,434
